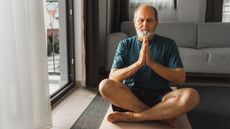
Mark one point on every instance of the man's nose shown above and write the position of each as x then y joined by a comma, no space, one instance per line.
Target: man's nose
145,23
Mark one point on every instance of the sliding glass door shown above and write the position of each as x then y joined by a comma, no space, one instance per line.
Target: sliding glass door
57,15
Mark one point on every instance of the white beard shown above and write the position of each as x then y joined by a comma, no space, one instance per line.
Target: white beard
144,33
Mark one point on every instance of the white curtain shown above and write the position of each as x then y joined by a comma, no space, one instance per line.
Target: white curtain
24,94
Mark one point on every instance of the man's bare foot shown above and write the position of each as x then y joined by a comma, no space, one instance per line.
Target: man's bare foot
171,122
121,117
131,117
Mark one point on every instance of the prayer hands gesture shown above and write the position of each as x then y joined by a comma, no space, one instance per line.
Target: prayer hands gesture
145,53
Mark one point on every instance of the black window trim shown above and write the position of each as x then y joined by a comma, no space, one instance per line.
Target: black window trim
59,94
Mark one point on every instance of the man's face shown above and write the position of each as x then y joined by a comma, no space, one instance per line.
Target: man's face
145,22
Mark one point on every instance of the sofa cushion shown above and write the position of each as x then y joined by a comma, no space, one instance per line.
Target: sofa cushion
113,39
128,28
184,34
209,60
212,35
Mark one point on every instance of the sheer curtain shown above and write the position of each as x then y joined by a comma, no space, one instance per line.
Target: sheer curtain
24,94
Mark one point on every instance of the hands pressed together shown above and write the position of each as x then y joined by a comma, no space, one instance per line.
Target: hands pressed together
145,57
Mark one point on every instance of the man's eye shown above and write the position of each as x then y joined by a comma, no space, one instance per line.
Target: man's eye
149,20
140,20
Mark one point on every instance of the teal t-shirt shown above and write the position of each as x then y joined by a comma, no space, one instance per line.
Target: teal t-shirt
164,51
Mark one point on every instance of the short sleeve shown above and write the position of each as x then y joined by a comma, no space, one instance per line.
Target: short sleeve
120,56
174,60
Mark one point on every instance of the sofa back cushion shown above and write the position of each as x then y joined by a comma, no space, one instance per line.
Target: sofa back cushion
128,28
212,35
184,34
113,40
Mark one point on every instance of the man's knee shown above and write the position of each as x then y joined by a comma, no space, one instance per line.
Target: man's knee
194,97
105,86
189,99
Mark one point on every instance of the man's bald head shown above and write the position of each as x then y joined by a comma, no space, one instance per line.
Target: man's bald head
154,10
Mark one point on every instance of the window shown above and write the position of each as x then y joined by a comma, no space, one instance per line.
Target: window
53,47
226,11
60,51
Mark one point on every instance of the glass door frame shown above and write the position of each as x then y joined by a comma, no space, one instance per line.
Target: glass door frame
57,95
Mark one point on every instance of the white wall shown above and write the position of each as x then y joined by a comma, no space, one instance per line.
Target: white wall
187,11
79,39
191,10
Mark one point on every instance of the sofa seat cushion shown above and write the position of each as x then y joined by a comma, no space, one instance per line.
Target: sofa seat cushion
212,35
209,60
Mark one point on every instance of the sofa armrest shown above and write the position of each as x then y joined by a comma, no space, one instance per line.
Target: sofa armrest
113,40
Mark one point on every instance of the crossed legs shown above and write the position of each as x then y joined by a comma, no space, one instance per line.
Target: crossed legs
173,104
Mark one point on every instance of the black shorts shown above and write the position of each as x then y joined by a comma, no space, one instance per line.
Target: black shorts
148,97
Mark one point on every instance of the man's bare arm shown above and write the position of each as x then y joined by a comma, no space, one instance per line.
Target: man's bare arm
176,75
124,73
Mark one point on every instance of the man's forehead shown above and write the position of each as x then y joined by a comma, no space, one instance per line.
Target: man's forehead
145,12
141,14
144,17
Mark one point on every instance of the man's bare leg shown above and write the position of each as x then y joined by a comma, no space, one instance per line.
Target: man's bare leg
173,105
121,96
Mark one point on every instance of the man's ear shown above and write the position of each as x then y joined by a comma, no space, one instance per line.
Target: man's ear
134,22
157,22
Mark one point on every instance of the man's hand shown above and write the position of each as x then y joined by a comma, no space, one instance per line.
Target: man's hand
142,56
145,53
148,57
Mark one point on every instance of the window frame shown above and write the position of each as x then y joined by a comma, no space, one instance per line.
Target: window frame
60,93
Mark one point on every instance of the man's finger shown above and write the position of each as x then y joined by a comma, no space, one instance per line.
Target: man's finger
143,44
145,40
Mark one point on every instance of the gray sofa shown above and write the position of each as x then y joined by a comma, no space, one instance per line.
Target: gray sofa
204,47
205,53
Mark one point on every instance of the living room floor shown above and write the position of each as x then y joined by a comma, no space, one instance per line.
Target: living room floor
65,113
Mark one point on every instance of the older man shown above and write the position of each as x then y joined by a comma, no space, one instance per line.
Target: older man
144,65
